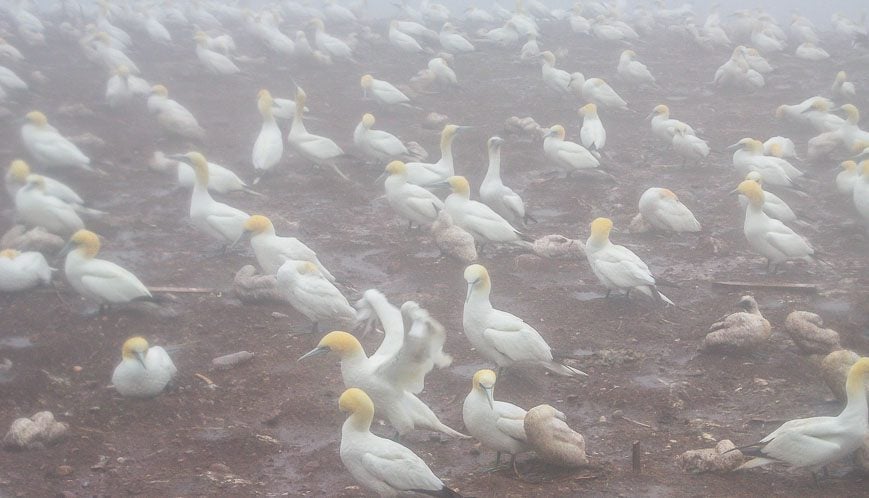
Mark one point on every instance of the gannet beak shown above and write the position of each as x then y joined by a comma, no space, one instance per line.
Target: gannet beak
470,289
380,178
140,357
179,157
734,191
734,146
314,352
443,184
244,235
489,396
463,128
650,116
69,246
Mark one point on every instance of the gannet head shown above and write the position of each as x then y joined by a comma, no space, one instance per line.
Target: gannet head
366,81
200,166
852,112
849,165
755,177
19,171
460,185
368,120
494,143
665,193
160,90
123,71
588,110
547,57
776,150
36,182
600,229
9,254
135,348
753,191
360,407
864,169
821,105
306,268
264,102
780,111
841,76
36,118
317,24
556,131
629,54
597,82
396,168
258,224
301,98
477,277
661,110
855,382
748,304
340,342
484,382
85,241
104,37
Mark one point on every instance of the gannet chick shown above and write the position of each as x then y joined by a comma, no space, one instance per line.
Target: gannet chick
565,155
269,146
500,337
393,374
452,239
599,92
633,71
617,267
48,147
99,280
497,425
846,178
381,465
403,41
383,91
592,133
807,332
773,205
37,208
426,174
123,87
411,202
312,294
689,147
172,116
811,52
214,62
860,192
665,127
552,439
216,219
843,88
452,41
744,330
556,79
377,145
818,441
20,271
272,251
661,208
144,372
315,148
478,219
501,198
768,236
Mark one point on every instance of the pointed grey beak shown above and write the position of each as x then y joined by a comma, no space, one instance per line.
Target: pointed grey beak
650,116
314,352
734,191
463,128
69,246
179,157
244,235
734,146
490,397
470,289
443,184
381,178
140,357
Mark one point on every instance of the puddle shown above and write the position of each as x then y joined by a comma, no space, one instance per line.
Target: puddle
651,381
15,342
587,296
833,307
213,434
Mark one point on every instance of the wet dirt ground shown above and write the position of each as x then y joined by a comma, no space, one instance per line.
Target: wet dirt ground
271,426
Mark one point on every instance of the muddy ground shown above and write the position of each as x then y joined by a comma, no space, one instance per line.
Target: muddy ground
272,425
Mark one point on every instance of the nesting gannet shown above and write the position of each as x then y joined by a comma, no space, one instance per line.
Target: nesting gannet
860,192
410,201
394,373
214,62
381,465
269,145
843,88
9,79
48,147
768,236
847,177
414,28
155,29
453,240
144,372
774,170
425,174
819,116
662,209
383,91
599,92
689,147
501,337
377,145
312,294
773,205
315,148
452,41
811,52
633,71
850,132
99,280
502,36
16,178
443,74
556,79
745,329
111,57
501,198
20,271
530,51
34,206
172,116
497,425
807,331
565,155
403,41
780,147
617,267
817,441
663,126
329,44
272,250
216,219
122,87
478,219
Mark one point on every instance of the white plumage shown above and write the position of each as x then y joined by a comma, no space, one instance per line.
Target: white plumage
633,71
35,207
497,425
477,218
411,202
567,156
662,209
426,174
501,198
383,91
20,271
172,116
214,62
452,41
592,134
773,205
272,251
99,280
216,219
143,371
48,147
312,294
377,145
269,145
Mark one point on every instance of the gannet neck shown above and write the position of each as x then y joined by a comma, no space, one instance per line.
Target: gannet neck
361,410
600,232
447,151
855,388
359,421
494,171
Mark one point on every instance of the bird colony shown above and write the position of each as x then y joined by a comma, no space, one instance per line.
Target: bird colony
292,247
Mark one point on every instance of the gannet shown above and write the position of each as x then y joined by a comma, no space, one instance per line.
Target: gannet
811,52
443,74
111,57
661,208
617,267
214,62
764,41
410,201
269,145
381,465
377,145
846,178
452,41
478,15
48,147
315,148
402,40
338,13
818,441
774,170
312,294
554,78
799,112
530,51
497,425
503,36
221,180
745,329
501,198
773,205
663,126
426,174
272,251
819,116
16,178
9,51
9,79
478,219
222,43
768,236
501,337
216,219
383,91
21,271
144,372
850,132
328,44
35,207
842,87
780,147
592,134
599,92
122,87
565,155
803,29
689,147
155,29
172,116
860,192
99,280
633,71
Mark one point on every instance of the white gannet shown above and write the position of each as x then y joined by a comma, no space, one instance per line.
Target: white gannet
452,41
315,148
443,74
172,116
592,134
403,41
850,132
617,267
111,57
662,209
216,219
329,44
20,271
768,236
773,205
272,250
556,79
425,174
501,337
221,180
383,91
819,116
144,372
9,51
633,71
414,28
381,465
501,198
774,170
35,207
860,192
503,36
811,52
123,87
214,62
9,79
663,126
48,147
410,201
599,92
745,329
16,178
99,280
780,147
689,147
565,155
530,51
269,145
846,178
843,88
155,29
817,441
377,145
478,219
497,425
312,294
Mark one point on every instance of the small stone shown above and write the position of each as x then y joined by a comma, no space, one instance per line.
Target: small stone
277,315
219,467
77,369
760,382
63,470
